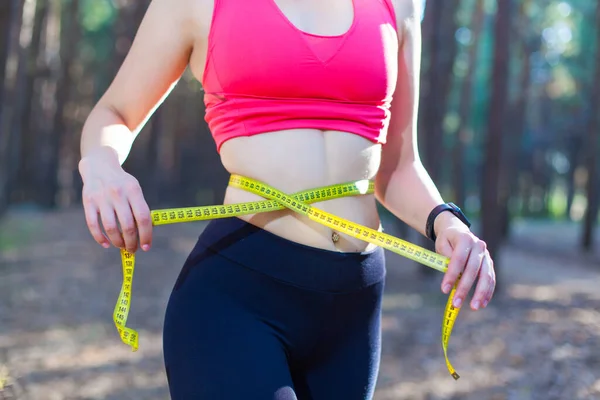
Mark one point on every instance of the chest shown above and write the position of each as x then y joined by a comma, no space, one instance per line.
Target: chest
317,17
349,53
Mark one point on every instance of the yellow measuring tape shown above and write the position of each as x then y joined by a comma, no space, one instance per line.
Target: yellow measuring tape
300,203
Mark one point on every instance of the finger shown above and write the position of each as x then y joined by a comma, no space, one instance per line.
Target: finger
111,228
91,219
492,274
127,223
485,285
458,260
141,214
470,273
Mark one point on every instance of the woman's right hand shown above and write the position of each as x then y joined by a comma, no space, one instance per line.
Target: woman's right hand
115,198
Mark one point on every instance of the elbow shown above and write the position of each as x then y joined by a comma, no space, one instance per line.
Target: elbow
103,114
105,127
395,177
383,181
114,113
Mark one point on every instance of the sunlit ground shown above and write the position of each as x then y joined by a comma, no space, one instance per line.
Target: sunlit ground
540,340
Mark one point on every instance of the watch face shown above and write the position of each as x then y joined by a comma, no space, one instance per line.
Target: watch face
458,212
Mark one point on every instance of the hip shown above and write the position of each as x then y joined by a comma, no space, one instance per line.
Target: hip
233,240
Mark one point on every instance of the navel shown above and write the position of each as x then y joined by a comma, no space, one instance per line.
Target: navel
335,237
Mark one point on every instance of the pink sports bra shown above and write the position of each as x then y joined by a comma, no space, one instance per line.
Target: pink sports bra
263,74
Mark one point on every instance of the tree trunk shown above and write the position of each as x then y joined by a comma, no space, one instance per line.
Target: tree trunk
23,40
513,138
493,146
11,12
48,184
591,212
5,28
6,8
440,43
463,132
23,130
574,150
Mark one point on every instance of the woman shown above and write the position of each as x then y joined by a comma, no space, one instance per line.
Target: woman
298,95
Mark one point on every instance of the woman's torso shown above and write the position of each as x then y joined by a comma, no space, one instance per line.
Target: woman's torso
298,159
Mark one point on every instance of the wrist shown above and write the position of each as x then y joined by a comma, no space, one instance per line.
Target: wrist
444,221
100,157
442,217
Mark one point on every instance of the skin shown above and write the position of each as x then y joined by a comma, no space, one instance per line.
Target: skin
115,209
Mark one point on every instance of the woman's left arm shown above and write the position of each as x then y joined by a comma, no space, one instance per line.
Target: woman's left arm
404,187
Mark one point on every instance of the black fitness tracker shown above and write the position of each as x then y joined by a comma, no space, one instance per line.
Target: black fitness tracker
453,208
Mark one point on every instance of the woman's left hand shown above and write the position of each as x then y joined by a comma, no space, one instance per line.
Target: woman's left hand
468,256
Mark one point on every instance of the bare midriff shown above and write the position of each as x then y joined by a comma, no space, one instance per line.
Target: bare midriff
301,159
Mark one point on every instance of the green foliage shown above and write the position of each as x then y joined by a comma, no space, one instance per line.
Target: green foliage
97,15
557,202
15,234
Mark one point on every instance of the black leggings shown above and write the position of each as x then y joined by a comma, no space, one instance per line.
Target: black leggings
255,316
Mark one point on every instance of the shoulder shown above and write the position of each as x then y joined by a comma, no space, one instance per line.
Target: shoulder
194,16
408,13
202,10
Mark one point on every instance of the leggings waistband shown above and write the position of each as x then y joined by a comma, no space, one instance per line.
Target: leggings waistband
294,263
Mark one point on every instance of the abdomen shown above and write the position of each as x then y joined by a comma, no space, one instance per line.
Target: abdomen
301,159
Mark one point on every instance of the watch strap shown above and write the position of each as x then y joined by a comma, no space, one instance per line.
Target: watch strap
453,208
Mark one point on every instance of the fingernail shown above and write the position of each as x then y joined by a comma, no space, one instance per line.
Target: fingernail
457,302
105,245
485,303
145,247
447,288
476,305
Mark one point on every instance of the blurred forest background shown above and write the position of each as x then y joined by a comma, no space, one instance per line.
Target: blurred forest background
508,118
508,125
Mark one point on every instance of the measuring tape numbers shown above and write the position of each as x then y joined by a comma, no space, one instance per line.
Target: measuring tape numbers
300,203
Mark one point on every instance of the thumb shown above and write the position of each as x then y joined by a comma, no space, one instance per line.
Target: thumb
445,248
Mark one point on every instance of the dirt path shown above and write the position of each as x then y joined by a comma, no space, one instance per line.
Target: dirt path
541,340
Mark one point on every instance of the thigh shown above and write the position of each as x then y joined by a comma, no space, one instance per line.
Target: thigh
214,348
348,365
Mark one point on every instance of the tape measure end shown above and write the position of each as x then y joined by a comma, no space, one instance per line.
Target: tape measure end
455,376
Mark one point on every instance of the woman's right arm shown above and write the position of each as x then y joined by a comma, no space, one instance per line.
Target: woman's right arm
158,57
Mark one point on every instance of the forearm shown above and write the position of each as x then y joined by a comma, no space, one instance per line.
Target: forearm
106,135
410,194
